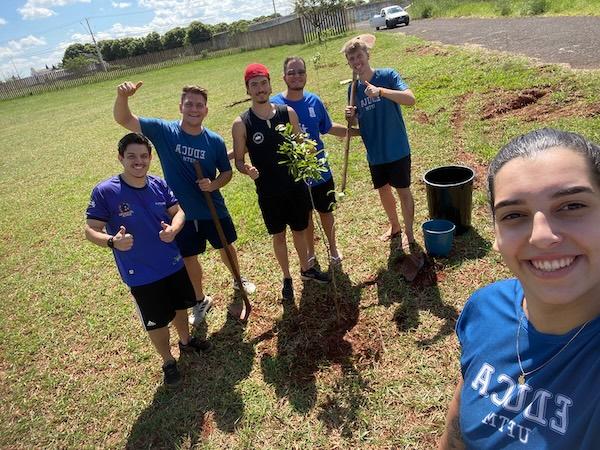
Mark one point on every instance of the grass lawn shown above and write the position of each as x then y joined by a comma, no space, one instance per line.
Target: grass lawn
77,370
494,8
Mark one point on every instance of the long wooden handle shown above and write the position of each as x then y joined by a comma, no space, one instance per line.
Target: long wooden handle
347,142
236,273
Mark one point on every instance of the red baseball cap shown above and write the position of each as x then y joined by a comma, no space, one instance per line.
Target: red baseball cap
255,70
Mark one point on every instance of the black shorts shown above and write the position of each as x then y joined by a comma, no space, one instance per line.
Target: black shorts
324,196
192,238
288,208
157,302
396,173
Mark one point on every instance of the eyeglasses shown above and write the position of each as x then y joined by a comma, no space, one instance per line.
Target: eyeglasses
291,73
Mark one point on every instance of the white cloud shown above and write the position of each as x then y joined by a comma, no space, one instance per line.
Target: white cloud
120,5
15,48
40,9
2,21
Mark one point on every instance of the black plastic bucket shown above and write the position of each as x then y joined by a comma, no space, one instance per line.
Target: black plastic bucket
450,195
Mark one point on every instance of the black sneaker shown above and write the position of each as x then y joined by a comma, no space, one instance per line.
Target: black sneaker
195,345
315,275
172,375
288,289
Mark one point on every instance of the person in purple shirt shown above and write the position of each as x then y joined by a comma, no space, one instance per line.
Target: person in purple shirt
179,144
137,216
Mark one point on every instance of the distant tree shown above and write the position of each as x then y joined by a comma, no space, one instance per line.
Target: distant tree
79,50
239,26
197,32
136,47
77,64
174,38
220,27
152,42
316,11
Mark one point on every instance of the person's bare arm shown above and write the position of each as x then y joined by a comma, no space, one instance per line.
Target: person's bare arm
452,438
95,232
121,112
405,97
340,130
169,231
294,120
238,132
206,184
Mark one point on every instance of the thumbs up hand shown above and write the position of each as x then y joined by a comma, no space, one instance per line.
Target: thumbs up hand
127,89
372,90
123,241
166,234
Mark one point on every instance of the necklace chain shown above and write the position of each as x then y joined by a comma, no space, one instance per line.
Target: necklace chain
523,373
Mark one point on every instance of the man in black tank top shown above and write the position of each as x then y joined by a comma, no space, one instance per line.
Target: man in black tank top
282,200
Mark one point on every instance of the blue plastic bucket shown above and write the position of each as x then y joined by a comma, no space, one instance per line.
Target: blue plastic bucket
438,234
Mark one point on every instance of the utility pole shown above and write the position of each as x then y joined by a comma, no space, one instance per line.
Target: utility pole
96,45
274,10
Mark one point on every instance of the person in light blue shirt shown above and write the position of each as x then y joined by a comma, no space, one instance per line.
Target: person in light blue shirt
378,94
179,144
314,121
530,367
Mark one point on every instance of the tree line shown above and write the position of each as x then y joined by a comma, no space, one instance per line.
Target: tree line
78,55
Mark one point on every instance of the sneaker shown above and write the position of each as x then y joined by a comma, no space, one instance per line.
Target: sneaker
315,275
288,289
172,377
249,286
195,345
312,261
199,311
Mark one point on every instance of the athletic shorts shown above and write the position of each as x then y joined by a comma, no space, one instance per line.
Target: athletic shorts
324,196
288,208
157,302
396,174
192,238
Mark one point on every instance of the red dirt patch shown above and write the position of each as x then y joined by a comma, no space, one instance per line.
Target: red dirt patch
423,50
536,105
421,117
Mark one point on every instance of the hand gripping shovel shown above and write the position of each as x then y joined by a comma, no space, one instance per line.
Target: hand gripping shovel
240,313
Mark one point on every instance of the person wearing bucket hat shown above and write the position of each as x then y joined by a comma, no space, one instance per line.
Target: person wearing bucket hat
379,94
529,346
282,200
179,144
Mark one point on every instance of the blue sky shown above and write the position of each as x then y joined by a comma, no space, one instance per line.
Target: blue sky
35,33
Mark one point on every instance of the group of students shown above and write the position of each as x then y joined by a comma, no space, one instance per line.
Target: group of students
529,364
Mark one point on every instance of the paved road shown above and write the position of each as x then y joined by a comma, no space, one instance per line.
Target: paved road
570,40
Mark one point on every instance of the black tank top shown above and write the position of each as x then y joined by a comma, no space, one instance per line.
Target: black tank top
262,141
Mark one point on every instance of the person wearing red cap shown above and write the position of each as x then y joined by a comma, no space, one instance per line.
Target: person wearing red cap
282,200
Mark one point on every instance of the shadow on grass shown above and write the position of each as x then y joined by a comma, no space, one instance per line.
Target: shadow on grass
207,398
423,294
309,338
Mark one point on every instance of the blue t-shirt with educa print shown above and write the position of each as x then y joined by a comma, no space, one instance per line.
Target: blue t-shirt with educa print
140,211
314,120
381,124
177,151
558,407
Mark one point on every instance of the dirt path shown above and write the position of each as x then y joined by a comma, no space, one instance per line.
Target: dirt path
569,40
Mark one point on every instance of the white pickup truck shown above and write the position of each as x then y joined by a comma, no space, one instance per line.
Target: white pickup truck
390,17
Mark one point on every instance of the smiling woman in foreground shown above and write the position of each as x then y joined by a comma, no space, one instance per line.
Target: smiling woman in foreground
530,346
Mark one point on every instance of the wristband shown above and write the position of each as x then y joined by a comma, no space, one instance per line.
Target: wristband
111,242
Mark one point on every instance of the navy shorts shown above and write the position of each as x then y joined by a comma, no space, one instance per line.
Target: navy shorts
157,302
324,196
395,173
288,208
192,238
